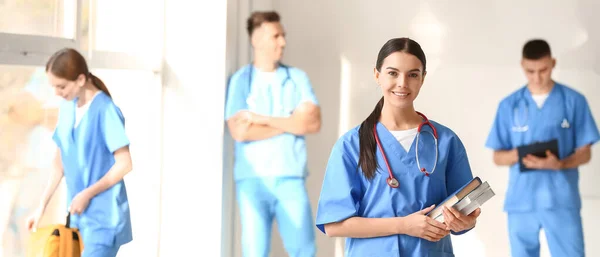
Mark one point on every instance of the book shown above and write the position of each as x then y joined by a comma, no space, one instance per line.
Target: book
455,197
465,200
472,201
537,149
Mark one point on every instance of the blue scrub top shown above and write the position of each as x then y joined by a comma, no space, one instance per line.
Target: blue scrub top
543,189
282,155
87,155
347,193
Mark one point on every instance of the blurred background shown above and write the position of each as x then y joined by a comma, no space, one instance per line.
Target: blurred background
166,64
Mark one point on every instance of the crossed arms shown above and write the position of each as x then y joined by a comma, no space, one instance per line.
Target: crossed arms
247,126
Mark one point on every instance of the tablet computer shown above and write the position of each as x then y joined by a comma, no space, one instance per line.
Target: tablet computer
537,149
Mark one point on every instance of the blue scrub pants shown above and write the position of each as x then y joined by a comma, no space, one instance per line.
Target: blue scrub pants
563,230
284,198
97,250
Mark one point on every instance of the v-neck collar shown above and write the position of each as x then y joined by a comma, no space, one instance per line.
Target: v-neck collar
75,130
282,74
391,145
402,136
536,113
531,102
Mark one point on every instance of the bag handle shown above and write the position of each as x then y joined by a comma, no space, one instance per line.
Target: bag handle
68,231
68,221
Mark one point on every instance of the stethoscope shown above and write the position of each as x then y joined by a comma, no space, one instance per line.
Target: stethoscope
391,180
523,127
288,77
287,73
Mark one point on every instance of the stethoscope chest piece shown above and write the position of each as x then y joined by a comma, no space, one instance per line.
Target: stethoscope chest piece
393,182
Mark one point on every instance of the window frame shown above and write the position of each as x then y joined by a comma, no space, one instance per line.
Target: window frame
23,49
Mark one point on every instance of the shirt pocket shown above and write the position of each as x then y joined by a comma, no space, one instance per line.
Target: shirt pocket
556,126
553,122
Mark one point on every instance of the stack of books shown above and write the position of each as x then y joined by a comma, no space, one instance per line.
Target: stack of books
465,200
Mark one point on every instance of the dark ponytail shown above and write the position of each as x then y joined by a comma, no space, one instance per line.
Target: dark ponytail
99,84
368,145
367,160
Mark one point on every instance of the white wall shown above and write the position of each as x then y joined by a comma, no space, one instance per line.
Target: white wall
193,94
473,51
143,129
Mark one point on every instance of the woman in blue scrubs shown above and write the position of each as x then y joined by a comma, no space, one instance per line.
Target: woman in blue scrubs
93,156
360,201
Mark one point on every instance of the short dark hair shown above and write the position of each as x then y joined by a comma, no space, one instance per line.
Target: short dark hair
258,18
536,49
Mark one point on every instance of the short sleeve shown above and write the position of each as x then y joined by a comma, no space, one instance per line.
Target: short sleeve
459,171
236,95
113,127
55,137
62,109
499,136
306,91
340,192
586,131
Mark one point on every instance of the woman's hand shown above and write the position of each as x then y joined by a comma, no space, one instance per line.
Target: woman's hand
80,202
34,219
458,222
420,225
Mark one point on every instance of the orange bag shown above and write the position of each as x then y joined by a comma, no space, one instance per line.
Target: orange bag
55,241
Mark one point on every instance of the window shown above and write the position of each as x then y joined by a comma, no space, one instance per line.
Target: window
50,18
28,109
133,26
28,114
31,30
110,30
108,33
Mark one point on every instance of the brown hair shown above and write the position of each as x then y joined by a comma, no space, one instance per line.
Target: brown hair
367,159
69,64
258,18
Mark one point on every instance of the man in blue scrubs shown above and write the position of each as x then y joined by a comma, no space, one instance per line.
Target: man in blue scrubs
548,196
269,108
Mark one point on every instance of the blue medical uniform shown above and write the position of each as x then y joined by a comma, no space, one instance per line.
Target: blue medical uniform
270,174
347,193
544,198
87,155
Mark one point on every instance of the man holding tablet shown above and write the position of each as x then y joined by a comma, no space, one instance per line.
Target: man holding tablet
544,131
